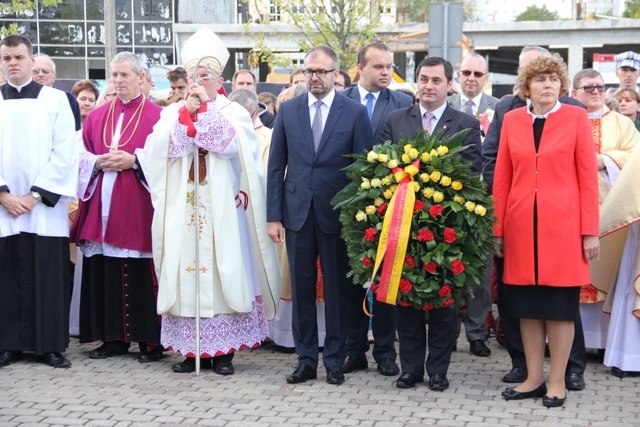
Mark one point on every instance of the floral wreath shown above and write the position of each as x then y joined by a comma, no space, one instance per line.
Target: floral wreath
417,222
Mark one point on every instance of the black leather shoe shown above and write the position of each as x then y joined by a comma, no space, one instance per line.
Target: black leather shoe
516,375
223,367
574,381
109,349
438,382
512,394
553,401
479,348
388,367
302,373
618,373
189,365
55,360
8,357
409,380
355,363
335,375
151,356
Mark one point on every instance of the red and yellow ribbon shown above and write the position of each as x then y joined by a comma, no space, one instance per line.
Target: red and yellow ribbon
394,237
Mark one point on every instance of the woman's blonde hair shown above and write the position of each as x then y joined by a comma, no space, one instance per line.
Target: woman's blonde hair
540,66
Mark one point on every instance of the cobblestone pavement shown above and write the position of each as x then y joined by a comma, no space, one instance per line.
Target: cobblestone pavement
122,392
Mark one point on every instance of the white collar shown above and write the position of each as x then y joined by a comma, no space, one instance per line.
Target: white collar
18,88
363,93
327,100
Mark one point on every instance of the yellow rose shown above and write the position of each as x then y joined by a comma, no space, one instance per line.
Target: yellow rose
378,201
393,188
407,148
435,176
406,158
392,164
456,185
424,177
413,153
433,153
428,192
416,186
385,181
375,183
438,196
480,210
388,194
425,157
445,181
366,184
383,158
442,150
458,199
372,156
370,210
470,206
361,216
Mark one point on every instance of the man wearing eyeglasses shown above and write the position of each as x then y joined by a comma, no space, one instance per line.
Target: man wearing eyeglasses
44,72
615,136
574,375
375,67
312,134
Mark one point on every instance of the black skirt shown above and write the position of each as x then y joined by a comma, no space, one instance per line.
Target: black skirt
542,302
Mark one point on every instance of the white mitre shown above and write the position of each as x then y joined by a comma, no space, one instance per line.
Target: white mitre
204,42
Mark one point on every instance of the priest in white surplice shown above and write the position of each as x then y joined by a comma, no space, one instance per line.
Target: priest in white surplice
238,268
38,175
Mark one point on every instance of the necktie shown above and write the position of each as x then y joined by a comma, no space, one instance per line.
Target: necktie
428,116
316,126
468,107
369,105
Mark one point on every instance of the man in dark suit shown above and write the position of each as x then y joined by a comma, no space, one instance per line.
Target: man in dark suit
473,75
375,67
312,133
574,377
435,79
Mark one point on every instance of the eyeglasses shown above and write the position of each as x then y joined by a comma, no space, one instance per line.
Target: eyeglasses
338,84
110,95
590,89
43,70
319,73
476,74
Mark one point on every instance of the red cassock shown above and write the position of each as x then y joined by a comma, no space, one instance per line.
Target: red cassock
559,183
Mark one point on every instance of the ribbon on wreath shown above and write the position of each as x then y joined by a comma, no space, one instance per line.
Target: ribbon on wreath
394,237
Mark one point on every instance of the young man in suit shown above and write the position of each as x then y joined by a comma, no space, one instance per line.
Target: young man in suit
435,79
312,133
375,67
473,75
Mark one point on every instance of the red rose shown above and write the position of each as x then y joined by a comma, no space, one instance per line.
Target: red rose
431,267
405,286
425,236
366,262
449,235
410,262
435,210
374,287
444,291
427,307
381,209
370,234
418,206
457,266
404,304
448,302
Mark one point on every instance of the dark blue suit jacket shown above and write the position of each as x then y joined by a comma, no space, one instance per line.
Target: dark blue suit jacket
406,122
389,100
297,176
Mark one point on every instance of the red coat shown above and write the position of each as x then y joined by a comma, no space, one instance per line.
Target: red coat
561,178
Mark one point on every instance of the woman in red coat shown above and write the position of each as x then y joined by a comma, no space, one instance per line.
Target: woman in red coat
546,199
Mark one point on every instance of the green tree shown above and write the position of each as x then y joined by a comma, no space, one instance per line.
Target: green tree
534,13
632,10
19,8
418,11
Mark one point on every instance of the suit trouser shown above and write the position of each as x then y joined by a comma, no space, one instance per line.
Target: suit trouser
511,327
414,342
303,248
478,307
383,325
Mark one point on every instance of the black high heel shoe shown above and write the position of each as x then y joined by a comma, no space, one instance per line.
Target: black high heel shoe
554,401
512,394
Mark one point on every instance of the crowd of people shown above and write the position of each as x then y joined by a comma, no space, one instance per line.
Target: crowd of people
202,223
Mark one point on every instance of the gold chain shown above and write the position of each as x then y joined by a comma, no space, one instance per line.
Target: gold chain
111,115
